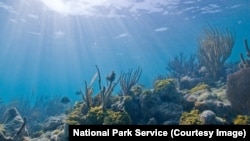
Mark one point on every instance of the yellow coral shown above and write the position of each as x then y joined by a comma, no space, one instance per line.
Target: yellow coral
96,115
161,85
117,118
200,86
190,118
242,120
76,117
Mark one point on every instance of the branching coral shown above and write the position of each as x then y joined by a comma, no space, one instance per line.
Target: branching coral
245,63
106,92
129,79
214,48
182,65
87,96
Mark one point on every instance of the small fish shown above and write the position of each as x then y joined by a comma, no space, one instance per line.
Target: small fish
111,77
78,93
65,100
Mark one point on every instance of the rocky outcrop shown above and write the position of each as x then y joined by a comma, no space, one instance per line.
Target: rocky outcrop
14,126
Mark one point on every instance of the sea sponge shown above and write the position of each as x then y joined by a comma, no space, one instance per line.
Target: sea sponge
238,91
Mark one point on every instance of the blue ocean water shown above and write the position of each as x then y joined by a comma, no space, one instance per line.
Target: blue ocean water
50,47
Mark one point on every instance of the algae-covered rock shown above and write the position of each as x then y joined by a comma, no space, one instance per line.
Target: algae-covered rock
130,104
168,113
208,117
76,117
213,100
200,86
166,89
164,85
190,118
117,118
149,102
13,122
96,115
242,120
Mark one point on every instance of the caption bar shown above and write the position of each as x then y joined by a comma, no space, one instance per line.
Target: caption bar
169,131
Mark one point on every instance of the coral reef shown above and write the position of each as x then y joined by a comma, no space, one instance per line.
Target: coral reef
99,117
209,99
164,104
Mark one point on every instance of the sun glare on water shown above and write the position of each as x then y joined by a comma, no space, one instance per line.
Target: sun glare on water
73,6
56,5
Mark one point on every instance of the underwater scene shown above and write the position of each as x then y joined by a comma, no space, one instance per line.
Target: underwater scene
121,62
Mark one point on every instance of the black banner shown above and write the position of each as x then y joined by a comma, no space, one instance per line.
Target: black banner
237,132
